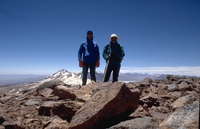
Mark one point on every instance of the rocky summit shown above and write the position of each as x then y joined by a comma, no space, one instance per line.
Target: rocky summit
169,103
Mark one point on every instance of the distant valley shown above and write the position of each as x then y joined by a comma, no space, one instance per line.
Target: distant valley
18,79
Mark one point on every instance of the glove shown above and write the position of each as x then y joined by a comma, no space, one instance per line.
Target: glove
97,63
80,63
110,56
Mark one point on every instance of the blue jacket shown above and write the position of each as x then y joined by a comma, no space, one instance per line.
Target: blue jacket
88,52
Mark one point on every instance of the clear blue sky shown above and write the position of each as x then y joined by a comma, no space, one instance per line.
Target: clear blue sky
43,36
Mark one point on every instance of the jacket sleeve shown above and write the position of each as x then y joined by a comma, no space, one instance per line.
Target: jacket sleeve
97,52
106,53
122,52
80,52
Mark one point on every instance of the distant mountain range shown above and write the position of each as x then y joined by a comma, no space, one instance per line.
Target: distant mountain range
71,77
18,79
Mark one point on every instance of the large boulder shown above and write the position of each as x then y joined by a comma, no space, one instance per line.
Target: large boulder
138,123
188,99
185,117
108,101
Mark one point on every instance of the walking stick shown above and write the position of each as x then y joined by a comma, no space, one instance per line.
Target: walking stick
105,71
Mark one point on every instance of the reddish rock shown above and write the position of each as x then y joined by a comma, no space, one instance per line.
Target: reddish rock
46,92
12,125
140,112
57,123
109,100
34,123
84,94
64,92
64,109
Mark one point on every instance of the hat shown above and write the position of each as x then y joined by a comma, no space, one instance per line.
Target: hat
114,35
89,32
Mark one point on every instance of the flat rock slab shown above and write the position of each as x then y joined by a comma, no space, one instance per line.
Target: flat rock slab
185,117
109,100
138,123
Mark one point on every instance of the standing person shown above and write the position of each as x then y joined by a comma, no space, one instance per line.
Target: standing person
113,53
88,56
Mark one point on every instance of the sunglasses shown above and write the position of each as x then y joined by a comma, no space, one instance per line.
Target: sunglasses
114,38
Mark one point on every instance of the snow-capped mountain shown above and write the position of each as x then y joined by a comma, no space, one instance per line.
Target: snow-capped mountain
67,77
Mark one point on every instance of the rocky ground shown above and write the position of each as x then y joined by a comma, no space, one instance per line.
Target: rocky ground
170,103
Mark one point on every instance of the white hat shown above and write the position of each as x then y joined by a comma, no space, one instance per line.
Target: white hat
114,35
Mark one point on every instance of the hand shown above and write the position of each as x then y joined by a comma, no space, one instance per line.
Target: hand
97,63
80,63
111,54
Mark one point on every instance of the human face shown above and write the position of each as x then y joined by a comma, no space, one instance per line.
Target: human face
114,39
89,36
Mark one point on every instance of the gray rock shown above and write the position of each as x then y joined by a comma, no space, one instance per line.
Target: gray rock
173,87
184,86
108,101
175,93
185,117
49,84
147,81
31,102
138,123
189,81
2,95
5,99
76,87
188,99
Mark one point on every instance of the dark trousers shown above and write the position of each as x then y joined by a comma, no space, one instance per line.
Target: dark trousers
115,68
92,67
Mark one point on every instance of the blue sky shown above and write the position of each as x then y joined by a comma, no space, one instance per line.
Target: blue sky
43,36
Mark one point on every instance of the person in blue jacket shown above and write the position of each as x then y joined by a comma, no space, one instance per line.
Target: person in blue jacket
114,53
88,56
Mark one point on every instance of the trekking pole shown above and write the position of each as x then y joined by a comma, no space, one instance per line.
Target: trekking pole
105,71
